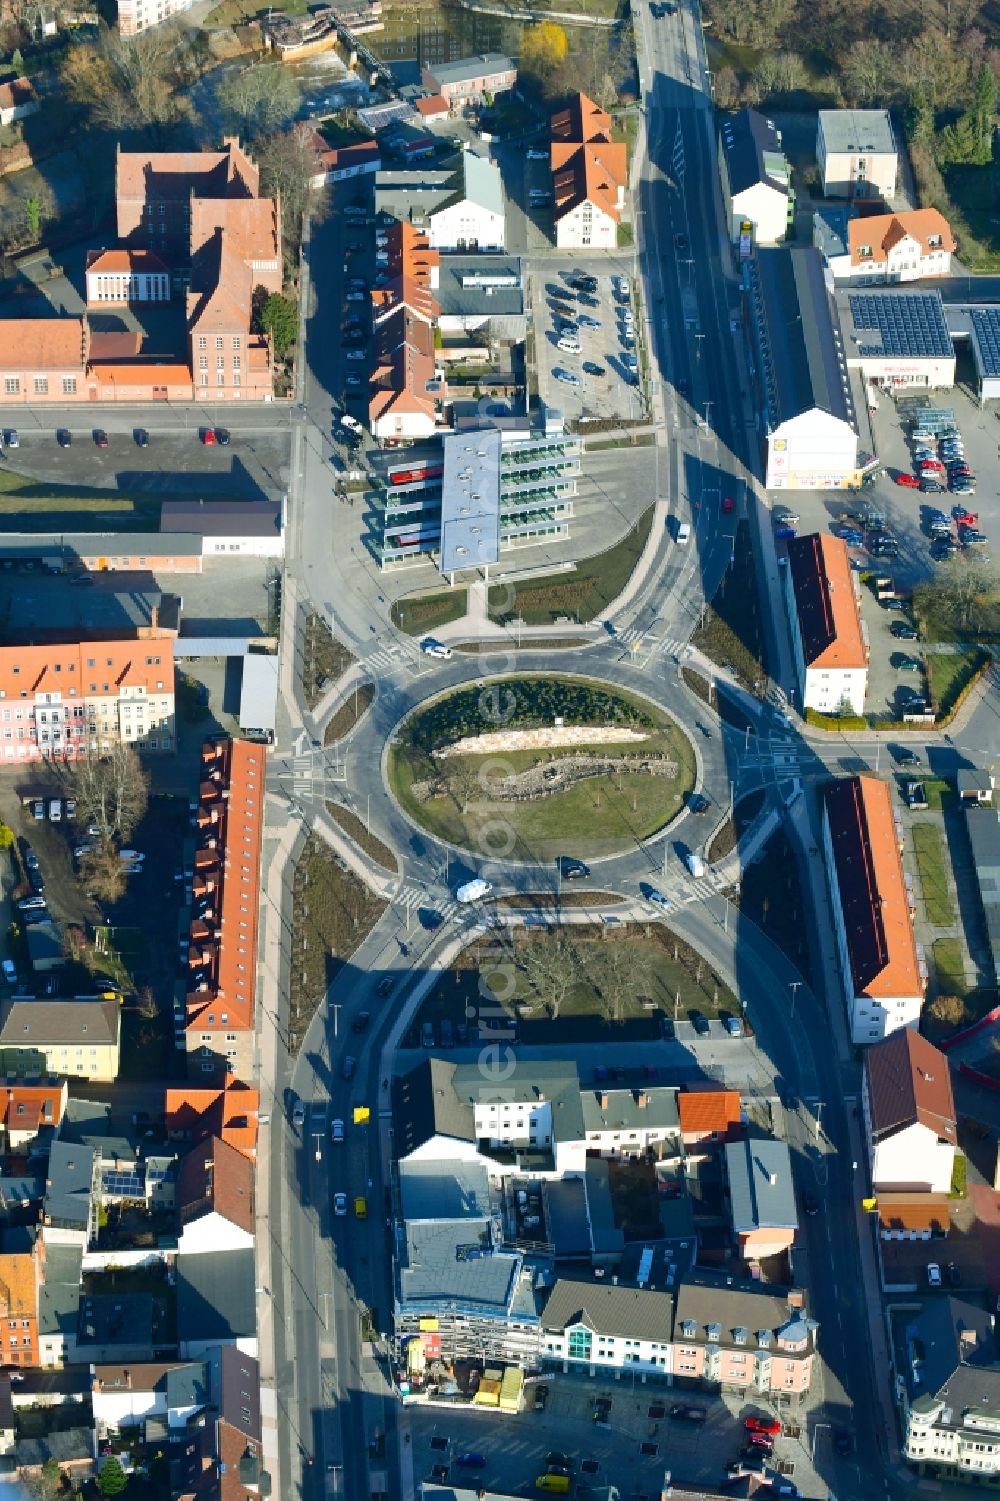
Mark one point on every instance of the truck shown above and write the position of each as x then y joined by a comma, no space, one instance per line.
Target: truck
883,586
473,891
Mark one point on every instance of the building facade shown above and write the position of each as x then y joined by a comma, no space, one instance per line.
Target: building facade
602,1329
120,277
78,1039
829,637
589,176
469,79
733,1336
909,1115
857,153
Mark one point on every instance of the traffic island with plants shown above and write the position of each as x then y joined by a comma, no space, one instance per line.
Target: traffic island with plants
534,767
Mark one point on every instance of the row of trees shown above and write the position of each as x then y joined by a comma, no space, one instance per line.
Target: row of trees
601,61
518,703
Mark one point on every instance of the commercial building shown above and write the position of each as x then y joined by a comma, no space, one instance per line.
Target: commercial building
589,176
529,499
948,1389
744,1336
216,1015
461,208
76,1038
756,180
907,246
802,387
829,637
230,528
482,295
602,1328
898,340
64,702
882,974
468,79
857,153
909,1115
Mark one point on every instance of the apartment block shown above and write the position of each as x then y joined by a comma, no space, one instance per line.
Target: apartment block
79,1039
79,699
909,1114
598,1327
857,153
228,1110
22,1264
589,176
742,1336
829,637
221,949
406,393
949,1393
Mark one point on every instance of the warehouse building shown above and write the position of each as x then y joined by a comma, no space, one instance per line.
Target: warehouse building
801,379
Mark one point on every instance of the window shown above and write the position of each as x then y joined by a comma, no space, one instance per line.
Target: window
202,342
203,362
236,341
220,362
41,385
220,343
69,385
11,385
221,378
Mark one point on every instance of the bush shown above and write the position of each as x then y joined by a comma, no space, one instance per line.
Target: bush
835,722
520,703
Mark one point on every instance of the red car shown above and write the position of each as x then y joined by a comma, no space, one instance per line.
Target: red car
930,464
762,1441
208,437
967,518
762,1425
728,504
910,480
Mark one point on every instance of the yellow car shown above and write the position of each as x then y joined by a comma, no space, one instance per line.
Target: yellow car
360,1208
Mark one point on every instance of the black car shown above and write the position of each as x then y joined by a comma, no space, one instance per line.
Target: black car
700,1023
686,1412
541,1397
573,870
554,1460
347,1067
100,437
384,986
360,1022
943,549
698,803
593,368
585,300
222,437
842,1442
904,756
141,438
954,1274
810,1203
680,242
903,630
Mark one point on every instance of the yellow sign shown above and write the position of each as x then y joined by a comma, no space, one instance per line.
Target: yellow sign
362,1115
870,1206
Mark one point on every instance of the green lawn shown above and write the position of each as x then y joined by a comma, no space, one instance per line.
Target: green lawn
654,974
950,967
949,672
731,632
932,863
426,612
973,192
941,794
579,595
595,816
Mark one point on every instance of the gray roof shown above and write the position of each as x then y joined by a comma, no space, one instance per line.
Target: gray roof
6,1404
444,1191
855,131
68,1184
413,195
73,545
215,1295
479,183
259,692
983,825
18,1189
713,1298
952,1339
753,152
798,338
605,1234
70,1381
528,1080
469,67
829,224
185,1383
445,1262
470,500
239,1391
630,1312
624,1111
974,779
221,518
760,1185
491,285
117,1319
426,1105
59,1297
45,942
29,1024
567,1223
68,1445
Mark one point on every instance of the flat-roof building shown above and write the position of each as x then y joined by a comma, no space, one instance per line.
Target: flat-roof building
829,638
899,339
857,153
882,974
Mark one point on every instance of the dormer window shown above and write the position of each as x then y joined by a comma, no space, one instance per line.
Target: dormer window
764,1339
865,251
714,1332
689,1328
739,1336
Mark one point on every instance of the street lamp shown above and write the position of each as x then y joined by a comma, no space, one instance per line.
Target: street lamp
793,986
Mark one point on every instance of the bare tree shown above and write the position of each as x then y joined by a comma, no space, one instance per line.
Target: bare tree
290,164
624,975
552,967
112,792
102,872
260,98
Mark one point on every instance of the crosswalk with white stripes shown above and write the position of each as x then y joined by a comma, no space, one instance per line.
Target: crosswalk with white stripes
635,638
384,657
412,897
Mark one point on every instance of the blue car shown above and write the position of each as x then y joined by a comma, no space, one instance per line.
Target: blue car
783,533
471,1461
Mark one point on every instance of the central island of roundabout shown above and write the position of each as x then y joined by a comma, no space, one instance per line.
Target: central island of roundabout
534,766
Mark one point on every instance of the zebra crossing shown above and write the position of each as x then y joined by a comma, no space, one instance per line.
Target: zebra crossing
384,657
412,897
711,884
635,638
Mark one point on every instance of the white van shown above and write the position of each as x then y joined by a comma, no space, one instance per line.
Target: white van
695,864
432,648
571,346
473,891
683,533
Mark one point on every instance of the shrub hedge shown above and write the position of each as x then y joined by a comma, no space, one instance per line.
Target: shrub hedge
520,703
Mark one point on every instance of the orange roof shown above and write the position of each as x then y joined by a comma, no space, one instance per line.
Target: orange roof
881,232
229,1112
403,367
829,615
903,1211
251,225
140,374
18,1285
412,266
704,1112
25,1107
588,174
124,260
873,895
88,669
43,343
433,104
173,175
580,120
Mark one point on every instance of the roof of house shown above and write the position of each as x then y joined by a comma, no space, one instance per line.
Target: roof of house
221,518
68,1184
228,1111
974,779
19,1281
761,1191
878,233
826,604
403,375
38,1023
17,93
707,1299
88,669
141,374
45,942
592,173
872,892
137,260
908,1081
215,1178
59,1302
753,153
43,344
478,181
628,1312
853,131
427,1105
708,1111
431,104
580,120
411,269
164,176
444,1190
444,1262
67,1445
250,226
115,347
467,68
959,1360
239,1391
184,1383
914,1211
118,1318
799,337
528,1081
628,1109
215,1295
26,1107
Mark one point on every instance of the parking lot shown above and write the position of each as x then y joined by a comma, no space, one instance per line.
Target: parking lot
631,1448
586,343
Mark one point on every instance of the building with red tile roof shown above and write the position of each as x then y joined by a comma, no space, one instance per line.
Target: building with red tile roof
18,100
829,638
80,698
406,394
22,1265
589,175
709,1116
882,975
228,1111
43,359
896,248
27,1110
126,276
222,949
214,1198
909,1112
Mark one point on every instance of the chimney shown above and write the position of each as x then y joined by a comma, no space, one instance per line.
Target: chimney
602,1099
642,1099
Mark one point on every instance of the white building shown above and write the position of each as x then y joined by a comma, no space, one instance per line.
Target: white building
829,637
228,528
125,1396
120,277
857,154
600,1328
901,247
949,1399
898,340
139,15
882,975
756,178
472,216
589,174
214,1199
802,385
909,1114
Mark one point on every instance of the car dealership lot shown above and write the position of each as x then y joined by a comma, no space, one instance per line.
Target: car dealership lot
607,389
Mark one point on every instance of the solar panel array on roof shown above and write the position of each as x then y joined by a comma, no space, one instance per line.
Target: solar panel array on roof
124,1184
986,328
910,326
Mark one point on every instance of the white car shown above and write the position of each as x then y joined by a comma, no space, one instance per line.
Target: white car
695,864
933,1274
11,439
340,1204
337,1132
355,354
630,362
534,155
353,380
355,297
432,648
658,899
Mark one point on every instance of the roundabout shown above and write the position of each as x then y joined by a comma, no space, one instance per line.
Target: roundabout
529,767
